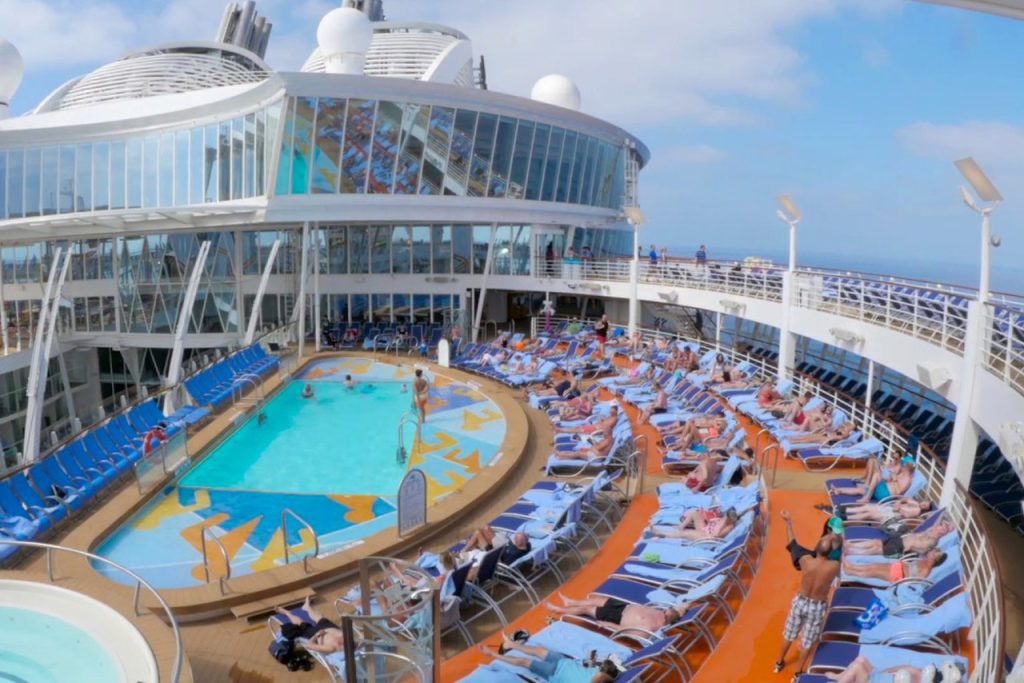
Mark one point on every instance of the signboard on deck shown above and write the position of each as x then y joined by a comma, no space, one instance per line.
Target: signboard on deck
444,351
412,502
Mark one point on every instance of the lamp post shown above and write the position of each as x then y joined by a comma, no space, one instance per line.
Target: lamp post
789,213
635,217
963,442
987,192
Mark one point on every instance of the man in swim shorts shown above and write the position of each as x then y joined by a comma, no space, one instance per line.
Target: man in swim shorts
618,613
323,635
807,612
553,666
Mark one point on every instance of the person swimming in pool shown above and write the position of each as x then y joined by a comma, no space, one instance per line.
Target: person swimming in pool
404,389
307,391
349,382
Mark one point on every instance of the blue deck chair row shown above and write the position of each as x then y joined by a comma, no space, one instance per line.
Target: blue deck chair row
214,386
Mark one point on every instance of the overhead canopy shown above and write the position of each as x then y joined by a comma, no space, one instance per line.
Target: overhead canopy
1005,8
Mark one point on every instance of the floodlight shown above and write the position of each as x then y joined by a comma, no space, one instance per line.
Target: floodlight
792,211
633,215
983,187
968,199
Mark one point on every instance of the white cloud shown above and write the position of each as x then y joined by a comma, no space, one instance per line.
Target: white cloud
647,62
990,142
50,34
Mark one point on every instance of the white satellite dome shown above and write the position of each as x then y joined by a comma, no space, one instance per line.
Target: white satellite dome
12,68
558,90
344,37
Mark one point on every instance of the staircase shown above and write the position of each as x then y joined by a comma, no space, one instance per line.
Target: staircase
682,321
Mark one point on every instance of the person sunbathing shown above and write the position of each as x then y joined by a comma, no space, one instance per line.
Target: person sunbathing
631,380
694,428
705,474
861,670
825,437
880,513
600,448
568,388
874,488
894,545
892,572
486,539
576,409
322,636
656,407
613,613
605,424
770,399
553,666
700,525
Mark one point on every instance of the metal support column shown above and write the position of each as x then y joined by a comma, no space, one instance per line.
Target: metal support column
964,442
634,283
69,399
787,345
257,304
317,326
871,384
36,390
303,274
482,297
184,318
3,313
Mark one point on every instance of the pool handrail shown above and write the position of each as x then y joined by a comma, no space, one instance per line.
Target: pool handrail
284,538
206,560
140,583
406,418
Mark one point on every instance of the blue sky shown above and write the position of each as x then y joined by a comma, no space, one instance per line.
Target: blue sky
856,108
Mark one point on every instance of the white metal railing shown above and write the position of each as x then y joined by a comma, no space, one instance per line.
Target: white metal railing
1003,350
984,589
981,573
223,577
140,583
932,312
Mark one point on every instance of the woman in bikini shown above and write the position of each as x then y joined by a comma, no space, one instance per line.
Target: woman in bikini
700,525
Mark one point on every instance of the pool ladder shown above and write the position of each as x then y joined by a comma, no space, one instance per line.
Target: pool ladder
402,455
206,559
285,514
238,395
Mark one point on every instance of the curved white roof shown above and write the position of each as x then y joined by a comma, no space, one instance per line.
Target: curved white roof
1006,8
416,51
162,70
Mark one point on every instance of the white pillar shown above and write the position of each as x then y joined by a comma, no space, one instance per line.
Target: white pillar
986,253
171,402
315,246
871,383
257,303
634,283
3,312
488,265
36,390
787,340
718,330
303,273
964,442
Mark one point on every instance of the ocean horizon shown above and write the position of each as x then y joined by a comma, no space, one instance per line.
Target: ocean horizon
1004,279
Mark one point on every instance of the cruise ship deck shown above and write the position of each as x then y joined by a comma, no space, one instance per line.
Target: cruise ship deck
363,372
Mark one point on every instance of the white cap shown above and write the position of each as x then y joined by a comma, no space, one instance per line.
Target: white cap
344,37
558,90
12,68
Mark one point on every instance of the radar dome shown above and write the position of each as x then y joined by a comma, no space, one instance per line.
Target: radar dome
344,36
558,90
12,68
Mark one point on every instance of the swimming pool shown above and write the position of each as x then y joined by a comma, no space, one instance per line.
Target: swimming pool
45,637
330,459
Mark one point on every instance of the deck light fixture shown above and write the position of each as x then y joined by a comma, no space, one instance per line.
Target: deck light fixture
987,192
790,214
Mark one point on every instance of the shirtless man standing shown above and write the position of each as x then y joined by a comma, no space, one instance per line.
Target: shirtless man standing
807,613
614,614
421,394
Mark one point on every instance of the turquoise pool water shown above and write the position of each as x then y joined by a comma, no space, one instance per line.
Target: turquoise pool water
39,648
329,460
343,440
